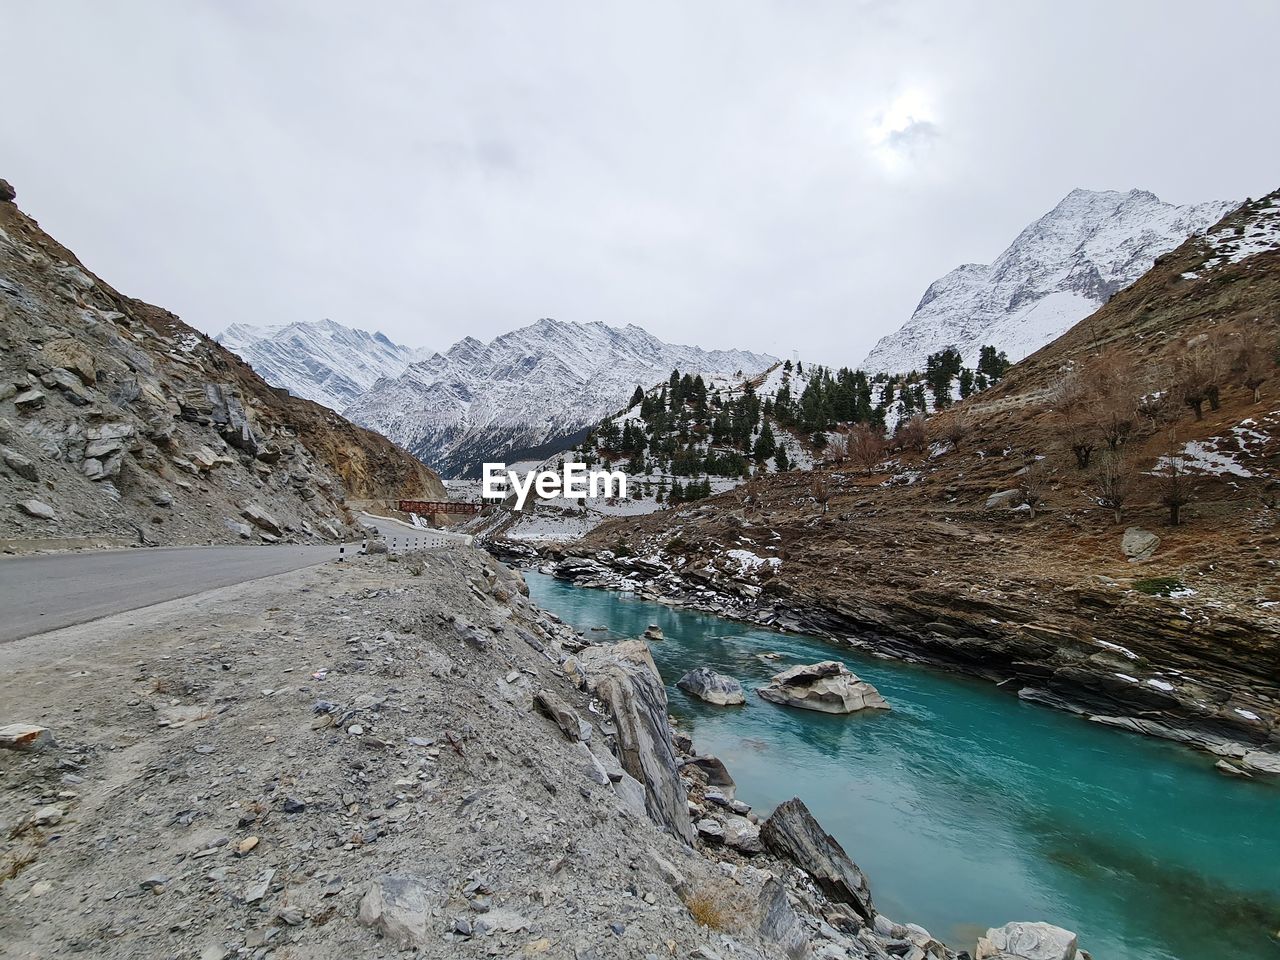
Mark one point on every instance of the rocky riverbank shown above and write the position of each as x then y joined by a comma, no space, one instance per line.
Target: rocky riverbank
393,753
1010,638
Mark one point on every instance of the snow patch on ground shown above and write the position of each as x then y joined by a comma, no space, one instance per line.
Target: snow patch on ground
748,561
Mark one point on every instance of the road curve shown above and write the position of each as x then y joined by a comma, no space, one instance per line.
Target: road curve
54,590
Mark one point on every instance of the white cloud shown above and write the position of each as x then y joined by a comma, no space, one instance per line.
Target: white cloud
715,172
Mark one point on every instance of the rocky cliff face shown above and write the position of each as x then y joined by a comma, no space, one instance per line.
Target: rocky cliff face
525,393
118,421
1056,272
323,361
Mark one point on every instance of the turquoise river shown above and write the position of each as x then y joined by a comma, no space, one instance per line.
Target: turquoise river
968,808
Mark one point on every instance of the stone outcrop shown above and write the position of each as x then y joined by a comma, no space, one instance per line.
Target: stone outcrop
1139,544
623,676
705,684
1027,941
792,832
828,686
566,718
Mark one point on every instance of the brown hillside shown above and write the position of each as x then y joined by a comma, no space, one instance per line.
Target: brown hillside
918,554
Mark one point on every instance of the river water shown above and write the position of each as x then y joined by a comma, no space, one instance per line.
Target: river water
968,808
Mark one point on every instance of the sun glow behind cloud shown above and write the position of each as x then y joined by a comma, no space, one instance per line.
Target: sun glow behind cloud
903,131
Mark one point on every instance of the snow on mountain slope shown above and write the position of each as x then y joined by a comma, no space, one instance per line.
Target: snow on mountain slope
527,392
321,361
1059,270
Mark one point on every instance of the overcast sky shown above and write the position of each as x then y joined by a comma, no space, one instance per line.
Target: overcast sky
770,175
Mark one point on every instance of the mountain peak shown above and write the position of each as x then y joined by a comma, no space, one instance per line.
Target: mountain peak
321,360
1058,270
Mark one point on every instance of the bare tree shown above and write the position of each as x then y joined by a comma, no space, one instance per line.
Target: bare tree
838,447
1255,360
1198,372
1071,403
1113,481
1175,483
913,434
1032,484
821,492
955,430
1111,397
866,447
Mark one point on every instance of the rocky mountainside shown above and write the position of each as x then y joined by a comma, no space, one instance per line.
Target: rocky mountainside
526,393
120,422
1116,493
322,361
1056,272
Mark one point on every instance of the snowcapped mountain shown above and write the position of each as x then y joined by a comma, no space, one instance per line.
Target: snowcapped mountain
1058,271
322,361
527,392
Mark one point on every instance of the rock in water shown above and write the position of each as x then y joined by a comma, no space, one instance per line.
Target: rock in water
400,908
627,682
827,686
792,833
712,687
1139,544
1027,941
653,632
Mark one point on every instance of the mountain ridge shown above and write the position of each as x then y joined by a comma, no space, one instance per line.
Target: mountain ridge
527,388
1058,270
320,360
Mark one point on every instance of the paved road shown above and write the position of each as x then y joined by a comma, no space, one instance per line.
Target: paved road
50,591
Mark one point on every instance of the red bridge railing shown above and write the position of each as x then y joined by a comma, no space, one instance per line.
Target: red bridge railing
438,506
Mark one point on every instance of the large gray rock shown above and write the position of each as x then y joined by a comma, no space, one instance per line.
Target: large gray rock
715,772
705,684
1139,544
261,519
1027,941
38,509
624,678
566,718
1003,500
24,736
400,908
792,832
827,686
22,466
779,923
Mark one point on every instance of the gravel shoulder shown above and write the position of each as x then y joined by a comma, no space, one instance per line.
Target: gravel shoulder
209,795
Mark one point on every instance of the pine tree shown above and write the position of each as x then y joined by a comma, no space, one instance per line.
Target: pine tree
765,444
637,397
781,461
991,363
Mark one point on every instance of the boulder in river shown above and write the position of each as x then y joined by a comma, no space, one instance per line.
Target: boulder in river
653,632
705,684
791,832
827,686
1027,941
